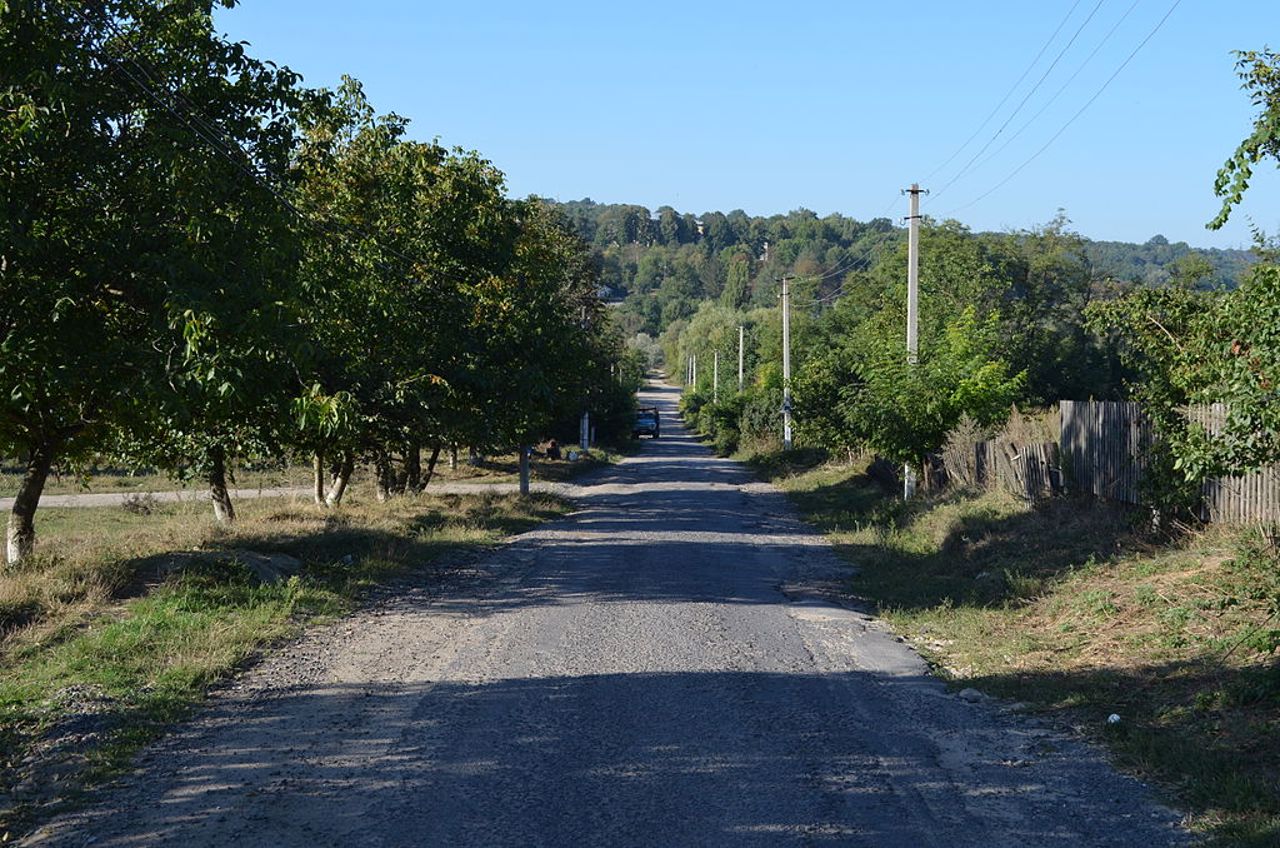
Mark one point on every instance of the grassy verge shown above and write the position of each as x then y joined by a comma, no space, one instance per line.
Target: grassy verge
110,633
1070,609
503,468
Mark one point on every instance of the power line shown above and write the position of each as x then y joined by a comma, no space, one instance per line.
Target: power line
862,264
1007,94
1073,118
968,165
1008,141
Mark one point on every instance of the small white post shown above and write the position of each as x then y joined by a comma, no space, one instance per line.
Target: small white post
741,339
715,378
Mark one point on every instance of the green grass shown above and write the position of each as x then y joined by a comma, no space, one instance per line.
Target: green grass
106,637
1071,608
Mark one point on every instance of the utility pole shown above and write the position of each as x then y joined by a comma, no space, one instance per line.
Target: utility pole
741,339
584,427
715,377
786,363
695,372
913,310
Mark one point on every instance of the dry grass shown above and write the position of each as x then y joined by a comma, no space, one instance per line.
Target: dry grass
500,468
1070,608
108,636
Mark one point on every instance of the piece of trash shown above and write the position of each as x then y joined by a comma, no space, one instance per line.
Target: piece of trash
1113,719
573,456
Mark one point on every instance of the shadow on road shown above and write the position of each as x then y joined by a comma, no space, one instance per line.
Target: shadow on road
696,758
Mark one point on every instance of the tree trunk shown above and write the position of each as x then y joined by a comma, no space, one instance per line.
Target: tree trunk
453,457
223,510
431,465
22,518
384,477
319,478
341,477
413,468
524,469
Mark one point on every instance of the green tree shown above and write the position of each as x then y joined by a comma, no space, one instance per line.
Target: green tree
1259,71
104,275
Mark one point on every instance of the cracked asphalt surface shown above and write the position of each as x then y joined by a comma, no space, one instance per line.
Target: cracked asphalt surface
661,668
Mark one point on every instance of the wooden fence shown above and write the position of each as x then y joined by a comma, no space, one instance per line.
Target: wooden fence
1103,444
1029,471
1236,500
1100,452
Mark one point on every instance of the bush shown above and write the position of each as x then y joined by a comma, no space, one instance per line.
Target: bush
750,417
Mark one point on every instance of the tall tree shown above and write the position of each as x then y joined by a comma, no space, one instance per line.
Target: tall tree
101,151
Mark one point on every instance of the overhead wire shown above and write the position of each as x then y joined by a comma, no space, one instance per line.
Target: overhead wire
1008,93
1106,38
968,165
1078,113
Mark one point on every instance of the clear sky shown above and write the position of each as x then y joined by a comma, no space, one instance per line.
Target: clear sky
824,105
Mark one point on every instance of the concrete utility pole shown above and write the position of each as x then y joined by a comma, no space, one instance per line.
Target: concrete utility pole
741,334
715,377
695,372
584,427
786,363
913,310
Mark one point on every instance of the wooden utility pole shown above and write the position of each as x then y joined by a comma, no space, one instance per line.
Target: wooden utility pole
786,363
913,310
741,338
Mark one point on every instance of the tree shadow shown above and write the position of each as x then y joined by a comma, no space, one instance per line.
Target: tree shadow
646,758
1205,732
976,554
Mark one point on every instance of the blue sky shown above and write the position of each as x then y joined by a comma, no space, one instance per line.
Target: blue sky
829,106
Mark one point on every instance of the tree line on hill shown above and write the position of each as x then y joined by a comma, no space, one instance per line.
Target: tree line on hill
204,261
661,264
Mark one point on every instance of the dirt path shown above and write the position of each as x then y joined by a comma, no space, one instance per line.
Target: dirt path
661,668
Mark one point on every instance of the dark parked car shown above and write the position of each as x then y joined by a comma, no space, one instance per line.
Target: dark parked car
647,422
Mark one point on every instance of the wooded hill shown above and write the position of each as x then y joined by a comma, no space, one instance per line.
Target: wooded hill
665,261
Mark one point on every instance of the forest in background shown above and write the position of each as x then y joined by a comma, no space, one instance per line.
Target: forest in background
663,262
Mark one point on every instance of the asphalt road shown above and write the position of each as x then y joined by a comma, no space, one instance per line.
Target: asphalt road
660,669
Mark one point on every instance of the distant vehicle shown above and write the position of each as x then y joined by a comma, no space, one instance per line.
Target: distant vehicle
647,422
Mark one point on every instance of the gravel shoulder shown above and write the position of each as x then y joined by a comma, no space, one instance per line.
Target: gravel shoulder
667,666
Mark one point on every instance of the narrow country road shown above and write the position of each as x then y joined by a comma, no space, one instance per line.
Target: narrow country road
658,669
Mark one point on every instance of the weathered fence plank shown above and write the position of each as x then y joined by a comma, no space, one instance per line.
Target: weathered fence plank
1103,444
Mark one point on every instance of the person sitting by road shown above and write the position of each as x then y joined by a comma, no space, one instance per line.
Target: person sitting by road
553,450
